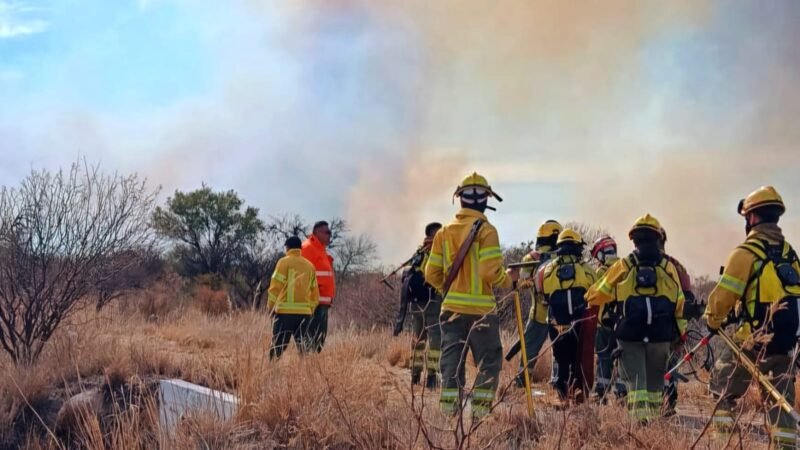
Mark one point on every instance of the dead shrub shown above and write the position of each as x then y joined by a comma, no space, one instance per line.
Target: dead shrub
398,353
544,366
212,302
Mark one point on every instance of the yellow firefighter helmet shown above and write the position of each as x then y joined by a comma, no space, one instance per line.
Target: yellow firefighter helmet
549,228
761,197
476,184
569,235
646,222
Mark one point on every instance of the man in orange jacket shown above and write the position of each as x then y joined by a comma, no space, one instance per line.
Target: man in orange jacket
314,251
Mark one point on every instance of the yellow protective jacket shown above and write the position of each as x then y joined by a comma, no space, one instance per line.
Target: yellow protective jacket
744,278
606,311
472,289
293,288
648,314
538,312
564,282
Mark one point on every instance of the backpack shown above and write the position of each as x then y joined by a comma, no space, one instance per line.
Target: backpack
565,283
647,302
775,279
414,284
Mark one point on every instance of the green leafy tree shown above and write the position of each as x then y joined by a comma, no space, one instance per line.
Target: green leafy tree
209,229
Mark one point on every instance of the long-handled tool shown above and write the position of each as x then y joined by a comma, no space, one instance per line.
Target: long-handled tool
762,379
525,374
419,255
686,358
385,280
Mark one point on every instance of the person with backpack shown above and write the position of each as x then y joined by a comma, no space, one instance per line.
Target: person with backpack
564,282
425,304
466,265
761,284
604,253
648,293
537,327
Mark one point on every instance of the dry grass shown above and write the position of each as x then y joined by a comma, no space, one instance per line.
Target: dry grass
212,302
354,395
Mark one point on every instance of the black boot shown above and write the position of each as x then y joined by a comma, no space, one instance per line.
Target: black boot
432,382
415,377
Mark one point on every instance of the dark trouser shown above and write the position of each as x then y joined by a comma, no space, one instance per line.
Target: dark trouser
604,345
535,336
318,327
566,353
481,335
427,344
730,380
284,328
643,367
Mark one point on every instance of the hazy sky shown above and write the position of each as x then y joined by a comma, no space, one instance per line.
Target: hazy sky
595,111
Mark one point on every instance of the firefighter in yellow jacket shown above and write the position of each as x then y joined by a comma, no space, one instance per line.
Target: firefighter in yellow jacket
536,330
469,314
650,301
564,282
761,274
293,296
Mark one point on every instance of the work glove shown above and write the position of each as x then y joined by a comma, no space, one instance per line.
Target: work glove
712,325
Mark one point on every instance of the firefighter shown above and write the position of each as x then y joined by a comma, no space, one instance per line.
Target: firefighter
604,253
469,317
564,282
650,304
314,250
425,304
759,274
536,329
292,298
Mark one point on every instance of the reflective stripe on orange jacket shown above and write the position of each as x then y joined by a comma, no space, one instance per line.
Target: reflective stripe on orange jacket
314,251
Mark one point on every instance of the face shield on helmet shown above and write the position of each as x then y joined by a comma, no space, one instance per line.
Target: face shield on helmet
604,248
474,192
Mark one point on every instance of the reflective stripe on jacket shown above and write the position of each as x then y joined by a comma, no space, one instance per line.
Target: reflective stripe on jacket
314,251
472,289
293,288
736,284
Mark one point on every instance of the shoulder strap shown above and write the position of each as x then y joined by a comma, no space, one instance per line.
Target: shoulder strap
755,246
675,275
461,255
630,261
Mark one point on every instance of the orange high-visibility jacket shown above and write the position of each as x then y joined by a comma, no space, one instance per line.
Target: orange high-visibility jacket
314,251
